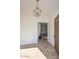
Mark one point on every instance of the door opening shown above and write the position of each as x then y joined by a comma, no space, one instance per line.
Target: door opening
42,31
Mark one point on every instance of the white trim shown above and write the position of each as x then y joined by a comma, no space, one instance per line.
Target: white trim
51,42
23,42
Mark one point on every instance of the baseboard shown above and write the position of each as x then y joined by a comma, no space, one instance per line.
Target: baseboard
28,42
28,46
51,42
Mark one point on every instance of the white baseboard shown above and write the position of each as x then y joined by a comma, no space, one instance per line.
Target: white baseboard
51,42
28,42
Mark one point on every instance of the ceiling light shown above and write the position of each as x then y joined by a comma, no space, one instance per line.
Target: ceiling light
37,10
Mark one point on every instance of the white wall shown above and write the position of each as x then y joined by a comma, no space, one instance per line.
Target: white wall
29,29
29,23
51,27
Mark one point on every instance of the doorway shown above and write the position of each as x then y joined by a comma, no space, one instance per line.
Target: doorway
42,31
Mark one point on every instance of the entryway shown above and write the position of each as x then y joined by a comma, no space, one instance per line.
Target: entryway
42,30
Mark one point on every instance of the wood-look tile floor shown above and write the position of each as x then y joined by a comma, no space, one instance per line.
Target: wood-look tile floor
42,50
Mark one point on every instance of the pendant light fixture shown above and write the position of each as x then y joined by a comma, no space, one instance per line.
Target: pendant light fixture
37,10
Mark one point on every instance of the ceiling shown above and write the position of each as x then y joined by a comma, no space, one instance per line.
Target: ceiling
48,6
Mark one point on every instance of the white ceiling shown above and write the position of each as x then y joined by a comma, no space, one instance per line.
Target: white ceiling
48,6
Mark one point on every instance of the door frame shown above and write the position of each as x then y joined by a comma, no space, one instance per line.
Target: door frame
38,28
56,33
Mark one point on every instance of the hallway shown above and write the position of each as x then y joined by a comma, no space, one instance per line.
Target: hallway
42,50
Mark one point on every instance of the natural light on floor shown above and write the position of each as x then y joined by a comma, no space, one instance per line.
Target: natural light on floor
32,53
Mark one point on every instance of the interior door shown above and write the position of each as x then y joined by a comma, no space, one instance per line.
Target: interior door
56,28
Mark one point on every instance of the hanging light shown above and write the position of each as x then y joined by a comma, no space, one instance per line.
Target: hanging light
37,11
